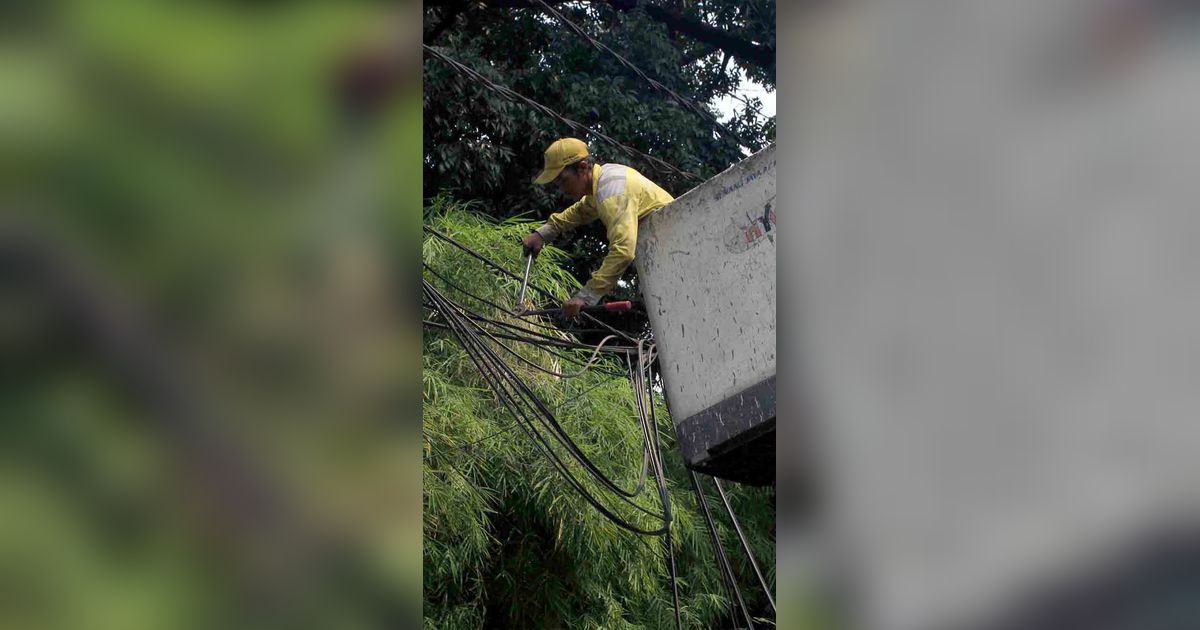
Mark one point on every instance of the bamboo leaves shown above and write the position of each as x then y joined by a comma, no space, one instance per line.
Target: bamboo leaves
499,513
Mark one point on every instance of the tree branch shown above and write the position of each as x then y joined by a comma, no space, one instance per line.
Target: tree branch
453,10
700,53
746,51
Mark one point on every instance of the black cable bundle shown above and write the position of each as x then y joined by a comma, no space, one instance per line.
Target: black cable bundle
480,335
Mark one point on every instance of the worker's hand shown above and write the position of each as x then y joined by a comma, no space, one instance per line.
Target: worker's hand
532,243
571,307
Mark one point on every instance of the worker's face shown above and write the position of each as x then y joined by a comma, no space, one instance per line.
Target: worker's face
574,181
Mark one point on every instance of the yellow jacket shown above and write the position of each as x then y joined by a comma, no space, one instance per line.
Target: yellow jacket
620,198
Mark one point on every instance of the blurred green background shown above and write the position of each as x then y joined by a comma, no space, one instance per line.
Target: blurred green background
208,248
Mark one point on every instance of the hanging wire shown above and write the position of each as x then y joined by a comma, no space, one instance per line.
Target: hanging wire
508,93
685,102
745,544
722,560
523,338
501,269
529,336
540,424
501,308
540,341
511,401
525,406
643,385
468,333
516,395
586,365
498,307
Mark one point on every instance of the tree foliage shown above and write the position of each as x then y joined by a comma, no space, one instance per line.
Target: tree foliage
507,542
482,147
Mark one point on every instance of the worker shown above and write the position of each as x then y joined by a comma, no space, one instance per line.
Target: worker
616,194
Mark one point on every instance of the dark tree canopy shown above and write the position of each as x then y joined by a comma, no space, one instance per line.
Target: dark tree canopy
481,147
743,41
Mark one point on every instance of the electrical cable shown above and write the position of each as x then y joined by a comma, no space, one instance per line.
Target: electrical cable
652,454
726,569
500,379
508,93
645,394
556,461
587,365
552,342
530,336
665,498
685,102
500,307
548,419
745,544
500,268
525,406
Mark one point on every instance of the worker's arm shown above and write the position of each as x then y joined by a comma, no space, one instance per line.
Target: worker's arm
579,213
622,246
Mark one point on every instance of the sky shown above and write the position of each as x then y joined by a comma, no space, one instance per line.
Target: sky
748,89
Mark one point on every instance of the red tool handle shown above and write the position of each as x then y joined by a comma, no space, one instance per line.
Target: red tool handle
623,305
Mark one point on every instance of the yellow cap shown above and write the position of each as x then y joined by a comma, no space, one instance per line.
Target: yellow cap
564,151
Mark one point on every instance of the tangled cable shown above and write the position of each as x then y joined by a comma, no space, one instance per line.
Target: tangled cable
483,339
512,95
683,101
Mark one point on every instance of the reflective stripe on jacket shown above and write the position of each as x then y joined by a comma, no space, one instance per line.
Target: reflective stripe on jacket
620,197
